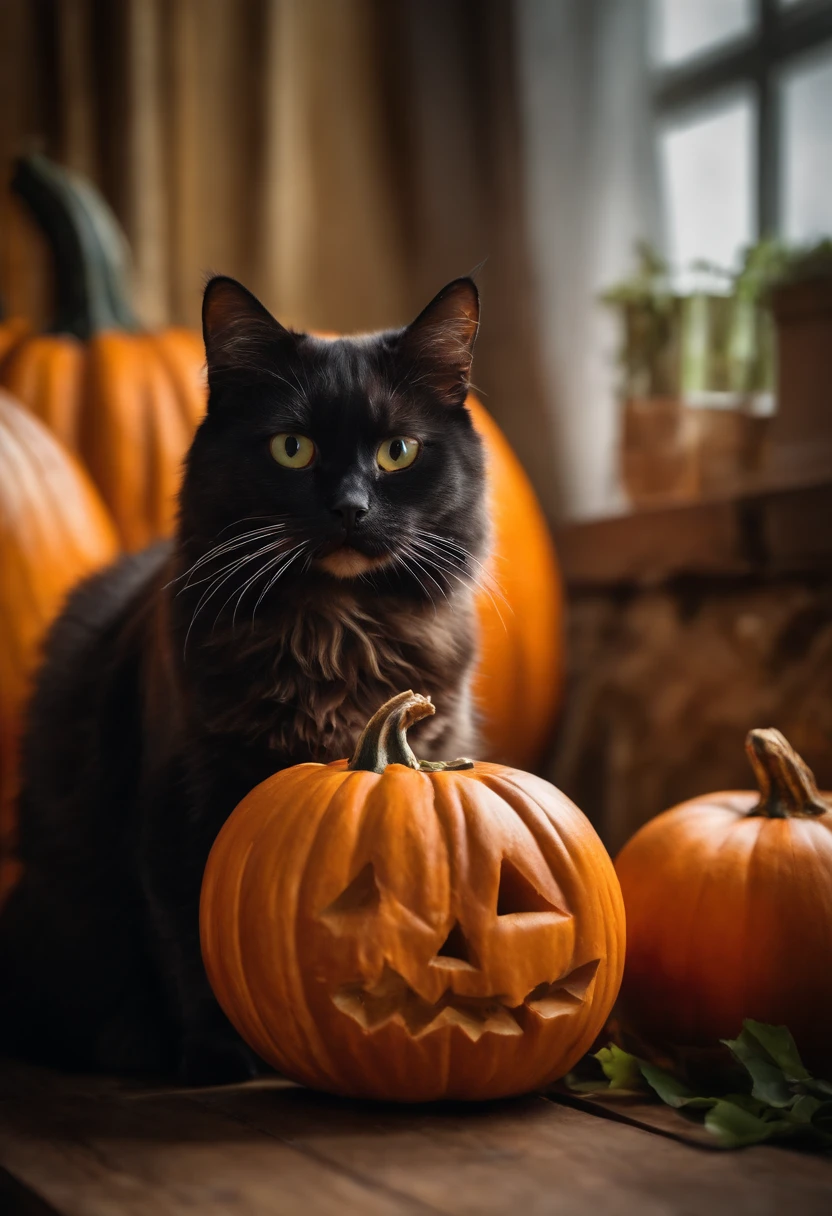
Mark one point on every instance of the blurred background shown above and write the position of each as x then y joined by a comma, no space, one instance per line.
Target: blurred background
645,187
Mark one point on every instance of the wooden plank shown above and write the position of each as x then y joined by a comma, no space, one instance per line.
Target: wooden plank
530,1155
89,1148
776,532
99,1147
638,1112
17,1200
646,547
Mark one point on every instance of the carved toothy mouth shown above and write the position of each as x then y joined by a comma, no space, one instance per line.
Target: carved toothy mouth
391,999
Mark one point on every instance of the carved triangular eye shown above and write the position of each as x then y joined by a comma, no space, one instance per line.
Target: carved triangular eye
360,899
456,952
516,894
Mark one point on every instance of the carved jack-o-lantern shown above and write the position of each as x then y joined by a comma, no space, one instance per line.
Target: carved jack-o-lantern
409,932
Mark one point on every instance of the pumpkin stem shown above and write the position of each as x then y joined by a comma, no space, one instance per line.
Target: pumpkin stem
787,784
89,249
384,739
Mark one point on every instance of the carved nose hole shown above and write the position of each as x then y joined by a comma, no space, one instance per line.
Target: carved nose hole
456,952
516,894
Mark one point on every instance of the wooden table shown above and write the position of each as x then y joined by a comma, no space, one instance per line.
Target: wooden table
105,1147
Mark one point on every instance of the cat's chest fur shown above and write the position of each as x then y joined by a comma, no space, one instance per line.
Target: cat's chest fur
303,684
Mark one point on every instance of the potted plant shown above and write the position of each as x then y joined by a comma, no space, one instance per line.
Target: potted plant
698,374
656,439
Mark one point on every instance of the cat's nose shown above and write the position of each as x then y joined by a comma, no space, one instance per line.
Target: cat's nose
350,509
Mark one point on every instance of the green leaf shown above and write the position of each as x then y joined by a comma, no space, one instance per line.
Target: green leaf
785,1101
579,1086
822,1118
735,1127
770,1083
820,1089
672,1091
620,1068
805,1108
753,1105
780,1047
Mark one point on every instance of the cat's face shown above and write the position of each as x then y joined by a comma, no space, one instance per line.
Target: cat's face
338,458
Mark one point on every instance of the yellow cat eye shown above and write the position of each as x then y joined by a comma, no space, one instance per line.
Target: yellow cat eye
397,453
292,451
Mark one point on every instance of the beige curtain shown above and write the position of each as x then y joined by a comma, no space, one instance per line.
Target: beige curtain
343,158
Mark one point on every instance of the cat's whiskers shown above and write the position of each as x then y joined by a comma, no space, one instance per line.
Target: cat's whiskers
296,552
227,546
468,580
215,573
262,569
401,559
486,579
411,553
218,582
247,519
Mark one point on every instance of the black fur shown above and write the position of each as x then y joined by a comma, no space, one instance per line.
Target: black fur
157,708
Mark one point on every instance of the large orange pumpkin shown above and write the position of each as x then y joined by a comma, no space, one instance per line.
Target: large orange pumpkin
127,402
54,530
520,671
729,912
11,332
410,932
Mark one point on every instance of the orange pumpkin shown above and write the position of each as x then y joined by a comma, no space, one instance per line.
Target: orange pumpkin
729,912
520,672
11,332
54,530
389,929
125,401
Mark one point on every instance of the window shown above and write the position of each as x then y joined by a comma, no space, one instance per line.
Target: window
806,137
743,99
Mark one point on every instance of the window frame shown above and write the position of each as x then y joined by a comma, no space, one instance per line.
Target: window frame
782,33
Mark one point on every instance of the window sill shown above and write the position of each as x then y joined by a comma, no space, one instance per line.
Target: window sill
766,534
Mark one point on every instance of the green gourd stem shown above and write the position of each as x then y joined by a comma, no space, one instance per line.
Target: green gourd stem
89,249
787,784
383,740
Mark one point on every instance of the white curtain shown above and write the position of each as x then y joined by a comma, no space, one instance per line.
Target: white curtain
591,189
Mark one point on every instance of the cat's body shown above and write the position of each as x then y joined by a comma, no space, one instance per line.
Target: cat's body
171,686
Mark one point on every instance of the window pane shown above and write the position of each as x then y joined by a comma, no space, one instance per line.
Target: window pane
806,189
707,169
683,28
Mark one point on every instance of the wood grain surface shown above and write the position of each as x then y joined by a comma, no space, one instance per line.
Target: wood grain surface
81,1146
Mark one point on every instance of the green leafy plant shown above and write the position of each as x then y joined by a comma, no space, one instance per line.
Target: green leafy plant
648,355
777,1098
719,337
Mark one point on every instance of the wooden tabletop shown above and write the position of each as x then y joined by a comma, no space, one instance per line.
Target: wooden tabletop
82,1146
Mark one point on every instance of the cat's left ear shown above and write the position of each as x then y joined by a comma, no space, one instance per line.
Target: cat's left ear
440,342
242,338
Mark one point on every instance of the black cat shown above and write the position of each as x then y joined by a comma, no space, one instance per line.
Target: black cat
331,530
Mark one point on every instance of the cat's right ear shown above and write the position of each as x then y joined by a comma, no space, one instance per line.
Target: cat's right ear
242,338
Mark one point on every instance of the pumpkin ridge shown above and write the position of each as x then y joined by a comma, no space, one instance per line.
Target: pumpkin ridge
46,549
234,897
344,791
165,343
295,980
